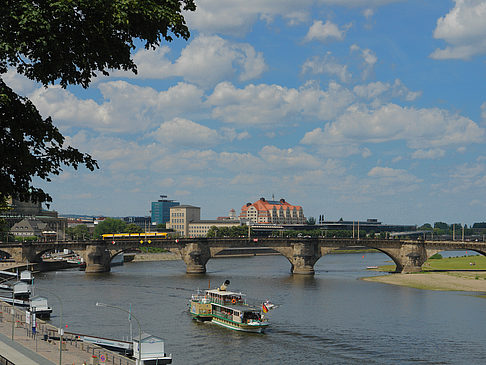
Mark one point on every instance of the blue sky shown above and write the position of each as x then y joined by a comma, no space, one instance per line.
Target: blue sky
350,108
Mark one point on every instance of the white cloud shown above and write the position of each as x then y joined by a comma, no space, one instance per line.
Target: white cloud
327,65
183,132
469,178
419,127
369,59
205,61
333,147
434,128
365,152
383,181
391,175
236,17
322,32
126,108
117,154
19,83
231,134
264,105
368,13
432,154
464,29
277,158
384,90
371,90
180,132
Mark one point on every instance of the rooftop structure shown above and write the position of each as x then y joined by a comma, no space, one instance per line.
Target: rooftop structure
272,211
160,212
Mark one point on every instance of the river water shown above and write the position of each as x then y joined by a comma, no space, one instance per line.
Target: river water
330,318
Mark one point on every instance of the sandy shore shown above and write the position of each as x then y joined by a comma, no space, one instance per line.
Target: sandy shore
162,256
457,280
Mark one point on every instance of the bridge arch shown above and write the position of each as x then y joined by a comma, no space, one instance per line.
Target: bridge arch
37,257
115,253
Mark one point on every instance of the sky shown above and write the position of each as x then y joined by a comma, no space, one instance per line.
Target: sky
354,109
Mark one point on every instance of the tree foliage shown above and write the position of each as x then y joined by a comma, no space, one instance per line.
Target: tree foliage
311,221
109,225
441,225
30,146
133,228
69,41
234,231
79,232
66,42
425,227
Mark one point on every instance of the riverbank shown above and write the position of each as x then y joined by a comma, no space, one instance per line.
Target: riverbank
470,281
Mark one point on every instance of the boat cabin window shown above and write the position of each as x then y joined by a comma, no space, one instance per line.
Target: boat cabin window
251,315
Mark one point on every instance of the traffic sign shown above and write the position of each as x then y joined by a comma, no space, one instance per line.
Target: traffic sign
102,358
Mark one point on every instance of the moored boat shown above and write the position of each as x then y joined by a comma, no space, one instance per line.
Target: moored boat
228,309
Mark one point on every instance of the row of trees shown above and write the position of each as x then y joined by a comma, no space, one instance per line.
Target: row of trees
234,231
441,228
107,226
242,231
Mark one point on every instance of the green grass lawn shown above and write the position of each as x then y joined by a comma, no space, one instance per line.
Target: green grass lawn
456,263
451,263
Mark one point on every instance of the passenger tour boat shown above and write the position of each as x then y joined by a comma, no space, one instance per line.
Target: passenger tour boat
228,309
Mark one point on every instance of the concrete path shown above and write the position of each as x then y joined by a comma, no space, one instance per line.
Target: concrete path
26,350
17,354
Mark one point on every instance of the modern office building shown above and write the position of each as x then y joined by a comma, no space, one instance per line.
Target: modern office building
272,211
160,212
181,216
186,221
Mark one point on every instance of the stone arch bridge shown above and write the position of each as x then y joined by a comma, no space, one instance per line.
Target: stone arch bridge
302,253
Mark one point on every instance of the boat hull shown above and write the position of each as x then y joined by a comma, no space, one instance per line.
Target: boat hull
258,328
201,318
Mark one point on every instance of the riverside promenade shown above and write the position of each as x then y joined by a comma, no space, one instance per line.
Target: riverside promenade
27,350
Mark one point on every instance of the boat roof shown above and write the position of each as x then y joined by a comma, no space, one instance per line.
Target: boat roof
223,292
239,307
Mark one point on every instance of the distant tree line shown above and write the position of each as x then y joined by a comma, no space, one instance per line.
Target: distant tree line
441,228
234,231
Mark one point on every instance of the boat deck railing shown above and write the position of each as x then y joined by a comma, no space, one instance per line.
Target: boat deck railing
198,297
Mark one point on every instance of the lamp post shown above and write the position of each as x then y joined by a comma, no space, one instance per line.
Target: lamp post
13,312
98,304
61,330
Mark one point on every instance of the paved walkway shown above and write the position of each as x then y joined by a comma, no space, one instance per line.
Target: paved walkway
18,354
26,350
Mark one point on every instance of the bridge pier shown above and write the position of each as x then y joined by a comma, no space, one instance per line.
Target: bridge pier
195,256
26,253
409,257
97,259
303,258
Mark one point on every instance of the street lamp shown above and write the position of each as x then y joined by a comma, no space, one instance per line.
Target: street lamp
98,304
61,330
